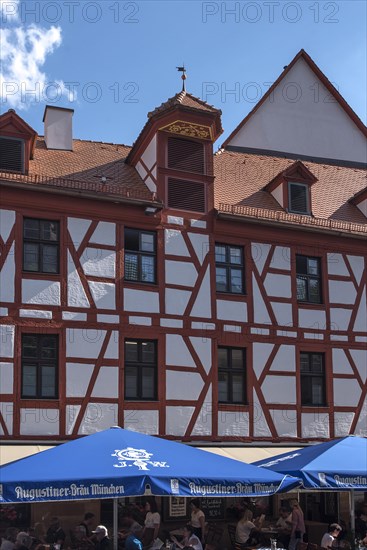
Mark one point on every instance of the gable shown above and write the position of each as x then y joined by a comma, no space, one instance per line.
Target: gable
303,116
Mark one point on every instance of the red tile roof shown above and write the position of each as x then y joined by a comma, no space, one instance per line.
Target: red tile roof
186,100
241,178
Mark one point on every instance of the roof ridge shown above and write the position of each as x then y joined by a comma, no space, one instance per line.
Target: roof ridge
40,137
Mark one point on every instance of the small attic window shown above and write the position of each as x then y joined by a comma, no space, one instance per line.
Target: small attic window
11,154
298,198
185,154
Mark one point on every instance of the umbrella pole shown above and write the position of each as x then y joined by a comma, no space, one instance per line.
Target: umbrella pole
115,523
352,516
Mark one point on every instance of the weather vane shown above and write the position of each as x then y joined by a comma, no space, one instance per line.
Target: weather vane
183,71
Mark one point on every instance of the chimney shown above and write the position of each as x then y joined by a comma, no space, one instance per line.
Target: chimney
58,128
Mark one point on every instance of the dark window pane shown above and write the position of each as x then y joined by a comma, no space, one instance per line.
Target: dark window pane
298,198
237,359
236,280
148,390
314,290
147,242
221,279
305,364
222,358
223,386
313,266
29,381
220,253
132,239
235,255
38,252
131,383
31,256
237,388
49,231
131,267
131,351
301,264
31,229
48,381
148,269
49,348
50,256
301,289
148,352
228,277
29,347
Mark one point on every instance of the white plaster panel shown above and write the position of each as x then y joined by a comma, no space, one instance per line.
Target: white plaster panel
41,292
360,359
141,170
103,294
229,310
74,316
150,184
98,416
183,386
77,228
357,265
291,120
261,353
201,245
346,392
342,423
315,425
339,318
177,220
146,422
71,414
336,265
141,301
363,207
104,318
171,323
286,334
261,427
203,347
174,243
361,338
312,318
339,337
259,253
40,314
107,383
342,292
39,421
203,424
180,273
279,389
361,426
176,301
283,313
281,258
99,262
7,278
7,340
112,351
78,376
149,157
4,311
278,285
177,353
198,223
234,423
6,377
203,304
84,343
144,321
260,331
7,220
177,419
313,336
285,359
76,294
285,422
105,233
278,194
7,412
232,328
360,324
202,325
261,314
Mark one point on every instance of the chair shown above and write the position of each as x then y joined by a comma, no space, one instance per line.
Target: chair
213,536
232,537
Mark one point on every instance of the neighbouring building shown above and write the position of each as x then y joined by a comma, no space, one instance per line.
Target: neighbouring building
212,298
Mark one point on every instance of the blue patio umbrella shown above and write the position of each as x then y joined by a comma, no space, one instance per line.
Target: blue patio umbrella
118,463
339,464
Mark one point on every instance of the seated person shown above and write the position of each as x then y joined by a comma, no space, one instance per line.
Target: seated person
329,537
79,540
55,534
284,526
133,539
190,540
102,541
246,529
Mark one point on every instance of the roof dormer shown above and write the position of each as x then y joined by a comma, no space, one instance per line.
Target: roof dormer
360,201
17,140
291,188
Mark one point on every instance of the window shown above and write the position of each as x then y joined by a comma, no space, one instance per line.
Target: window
140,256
308,279
11,154
39,366
298,198
186,195
229,268
231,375
187,155
312,379
140,369
41,243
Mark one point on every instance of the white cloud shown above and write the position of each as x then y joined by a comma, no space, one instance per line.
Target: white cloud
23,53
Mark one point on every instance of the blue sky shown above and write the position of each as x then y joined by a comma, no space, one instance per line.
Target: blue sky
113,60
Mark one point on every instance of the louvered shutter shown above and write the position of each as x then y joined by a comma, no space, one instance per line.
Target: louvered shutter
11,154
186,195
298,198
187,155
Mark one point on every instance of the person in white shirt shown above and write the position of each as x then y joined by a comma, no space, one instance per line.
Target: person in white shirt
245,527
152,522
197,519
329,537
190,540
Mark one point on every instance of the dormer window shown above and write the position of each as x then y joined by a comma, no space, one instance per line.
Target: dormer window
186,155
11,154
298,200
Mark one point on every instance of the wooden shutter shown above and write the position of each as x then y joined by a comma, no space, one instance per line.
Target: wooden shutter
11,154
185,154
186,195
298,198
